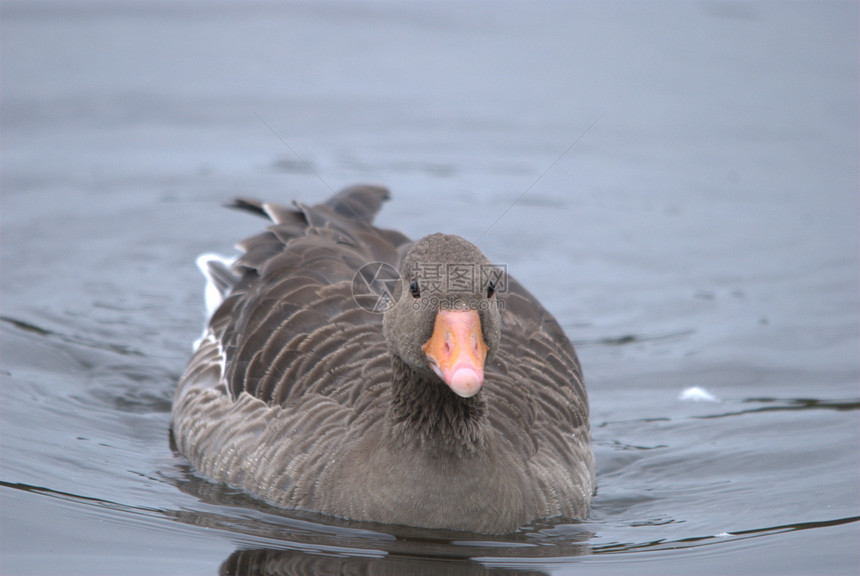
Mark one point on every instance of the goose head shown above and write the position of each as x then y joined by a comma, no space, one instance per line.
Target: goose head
445,324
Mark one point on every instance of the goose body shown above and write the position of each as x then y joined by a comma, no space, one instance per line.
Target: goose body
460,406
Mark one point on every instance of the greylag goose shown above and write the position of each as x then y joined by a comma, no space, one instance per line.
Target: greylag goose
454,400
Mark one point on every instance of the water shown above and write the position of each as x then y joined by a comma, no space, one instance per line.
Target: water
703,232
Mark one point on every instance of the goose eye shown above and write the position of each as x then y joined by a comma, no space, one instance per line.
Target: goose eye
413,288
491,289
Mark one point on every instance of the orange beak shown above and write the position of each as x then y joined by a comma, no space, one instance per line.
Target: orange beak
457,351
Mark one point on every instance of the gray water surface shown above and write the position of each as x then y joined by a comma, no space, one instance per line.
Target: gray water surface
676,181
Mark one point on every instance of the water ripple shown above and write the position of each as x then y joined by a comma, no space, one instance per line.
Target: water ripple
789,405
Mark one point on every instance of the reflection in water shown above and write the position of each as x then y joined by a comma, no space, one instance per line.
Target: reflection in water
296,563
